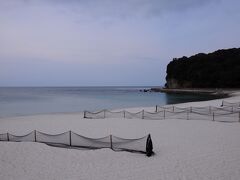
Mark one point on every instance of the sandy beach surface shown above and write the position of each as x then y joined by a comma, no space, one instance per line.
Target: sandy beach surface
184,149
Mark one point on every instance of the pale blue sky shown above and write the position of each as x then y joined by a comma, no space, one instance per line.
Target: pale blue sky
107,42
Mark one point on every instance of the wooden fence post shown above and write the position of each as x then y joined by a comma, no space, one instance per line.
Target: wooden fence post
239,117
35,136
84,116
111,145
142,114
156,109
124,114
7,136
104,113
70,138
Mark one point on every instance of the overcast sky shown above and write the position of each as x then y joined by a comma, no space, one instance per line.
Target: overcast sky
108,42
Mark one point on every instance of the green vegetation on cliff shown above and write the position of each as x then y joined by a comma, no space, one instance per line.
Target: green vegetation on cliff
220,69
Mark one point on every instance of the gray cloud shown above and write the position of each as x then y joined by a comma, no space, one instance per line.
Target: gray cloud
116,8
126,8
136,7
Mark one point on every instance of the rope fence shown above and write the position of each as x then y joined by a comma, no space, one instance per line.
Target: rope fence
71,139
228,112
231,104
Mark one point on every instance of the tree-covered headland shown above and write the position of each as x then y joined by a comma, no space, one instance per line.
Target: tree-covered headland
220,69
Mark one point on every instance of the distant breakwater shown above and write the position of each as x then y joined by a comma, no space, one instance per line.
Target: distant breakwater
218,92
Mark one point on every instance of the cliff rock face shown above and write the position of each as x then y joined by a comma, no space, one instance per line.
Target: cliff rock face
220,69
176,84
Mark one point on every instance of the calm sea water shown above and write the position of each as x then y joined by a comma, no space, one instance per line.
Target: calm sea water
20,101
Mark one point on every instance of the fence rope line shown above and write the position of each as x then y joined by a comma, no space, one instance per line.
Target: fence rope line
227,112
231,104
71,139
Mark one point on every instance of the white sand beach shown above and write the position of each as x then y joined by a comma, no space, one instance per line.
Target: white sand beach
184,149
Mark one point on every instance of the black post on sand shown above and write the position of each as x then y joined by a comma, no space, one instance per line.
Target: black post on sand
70,138
239,117
7,136
104,113
149,146
35,135
111,145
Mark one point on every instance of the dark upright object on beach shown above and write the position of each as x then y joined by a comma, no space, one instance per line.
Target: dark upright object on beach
149,146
